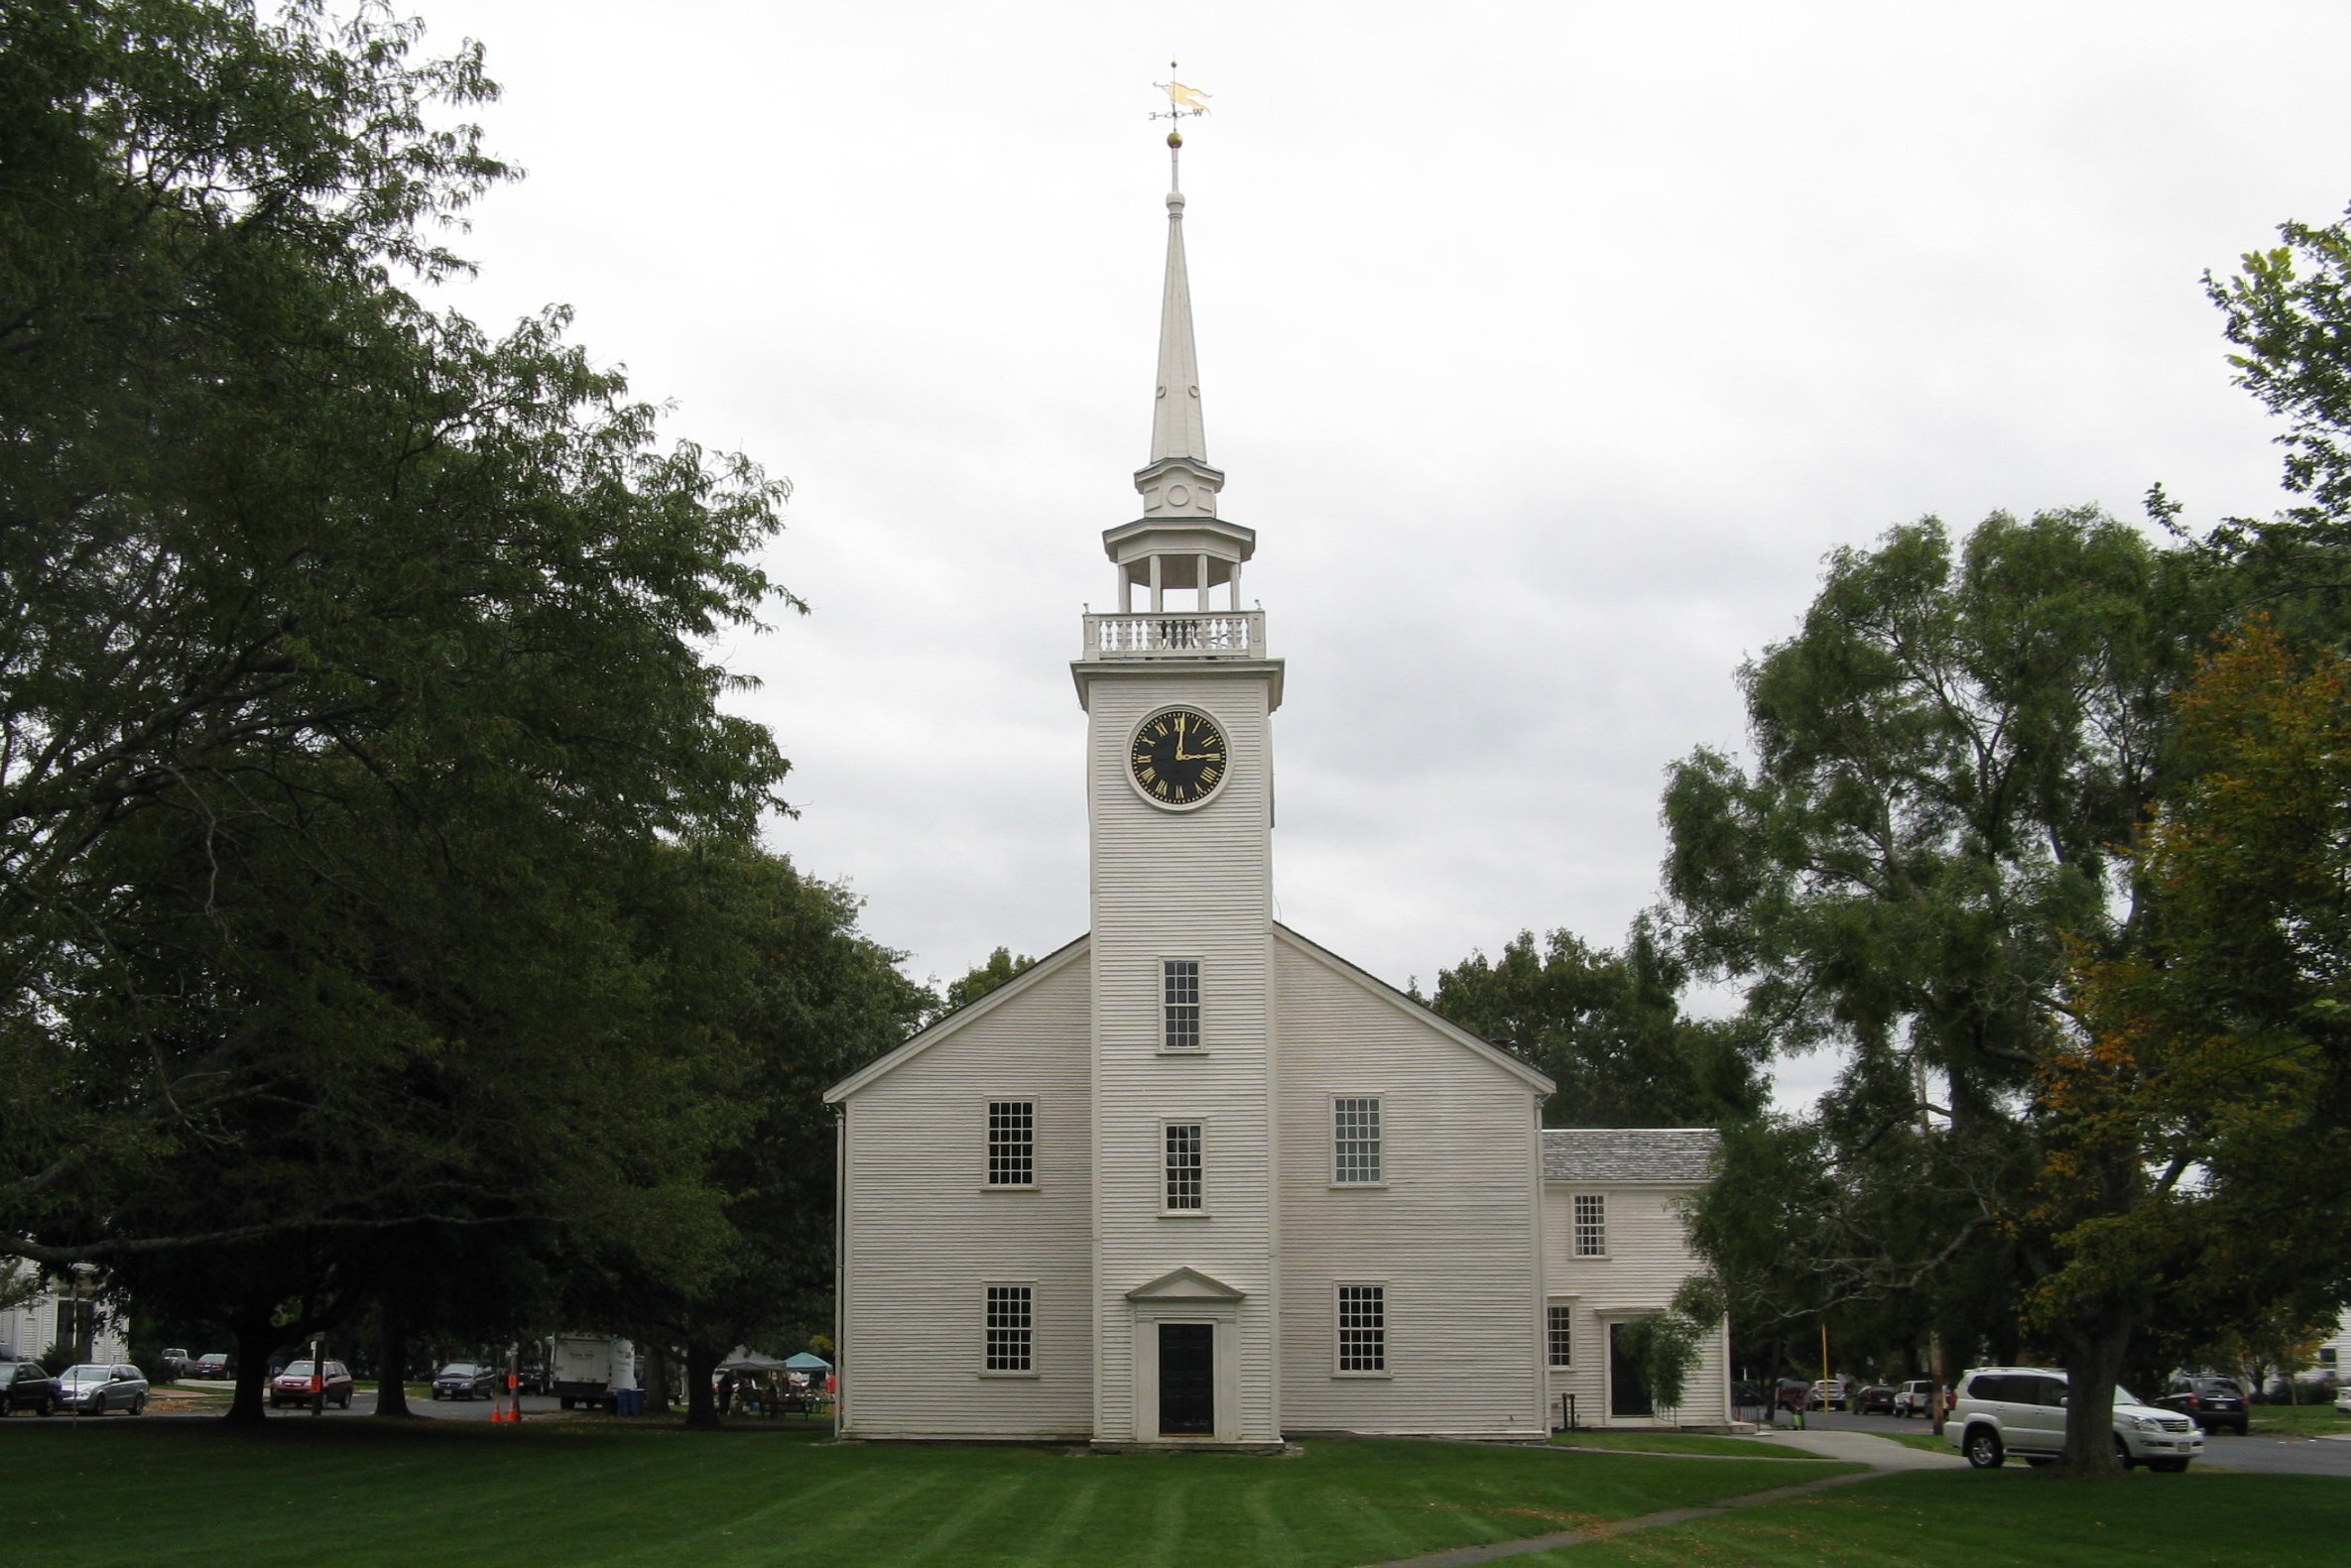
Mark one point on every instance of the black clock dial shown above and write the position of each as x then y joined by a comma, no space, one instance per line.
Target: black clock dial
1178,756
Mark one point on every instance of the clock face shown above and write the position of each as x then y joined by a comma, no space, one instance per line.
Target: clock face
1178,757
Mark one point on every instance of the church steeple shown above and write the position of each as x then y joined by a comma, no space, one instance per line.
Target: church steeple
1178,555
1178,481
1176,427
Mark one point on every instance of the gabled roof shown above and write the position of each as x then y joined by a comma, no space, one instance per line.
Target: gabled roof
1052,963
1381,991
1674,1155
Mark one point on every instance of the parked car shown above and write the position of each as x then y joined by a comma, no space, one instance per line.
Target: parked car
294,1384
26,1385
1915,1397
212,1364
2343,1398
93,1387
1828,1394
464,1380
2214,1404
175,1364
2022,1410
1874,1399
532,1378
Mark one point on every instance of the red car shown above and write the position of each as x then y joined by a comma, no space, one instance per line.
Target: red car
298,1384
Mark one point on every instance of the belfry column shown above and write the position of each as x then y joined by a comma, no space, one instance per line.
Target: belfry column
1179,695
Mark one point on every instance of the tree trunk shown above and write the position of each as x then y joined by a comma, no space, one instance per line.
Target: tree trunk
256,1337
2093,1366
700,1361
659,1384
392,1367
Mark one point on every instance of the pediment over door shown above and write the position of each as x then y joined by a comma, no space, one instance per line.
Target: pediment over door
1185,1285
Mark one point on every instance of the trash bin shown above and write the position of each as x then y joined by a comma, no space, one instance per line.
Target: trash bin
632,1400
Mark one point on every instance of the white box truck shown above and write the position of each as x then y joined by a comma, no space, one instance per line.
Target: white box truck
586,1369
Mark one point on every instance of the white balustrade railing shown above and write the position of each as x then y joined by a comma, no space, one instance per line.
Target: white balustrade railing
1224,634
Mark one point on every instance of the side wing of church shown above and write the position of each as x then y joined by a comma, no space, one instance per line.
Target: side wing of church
1193,1178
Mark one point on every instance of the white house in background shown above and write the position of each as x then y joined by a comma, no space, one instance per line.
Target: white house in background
1613,1204
46,1317
1193,1178
2334,1352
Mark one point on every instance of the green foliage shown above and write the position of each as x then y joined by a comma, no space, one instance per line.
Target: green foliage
351,659
1952,757
2218,1054
1607,1029
771,968
981,979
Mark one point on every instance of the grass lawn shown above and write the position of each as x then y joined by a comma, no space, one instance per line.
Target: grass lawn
2292,1420
2008,1518
1676,1443
425,1493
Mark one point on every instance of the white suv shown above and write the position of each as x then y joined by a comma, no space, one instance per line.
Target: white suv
1915,1397
2021,1410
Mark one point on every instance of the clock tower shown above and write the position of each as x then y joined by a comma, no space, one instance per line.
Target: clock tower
1179,695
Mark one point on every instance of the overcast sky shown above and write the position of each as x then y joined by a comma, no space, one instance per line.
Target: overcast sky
1548,348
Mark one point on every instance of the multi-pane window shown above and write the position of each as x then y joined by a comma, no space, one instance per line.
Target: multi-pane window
1012,1142
1363,1328
1355,1141
1591,1225
1009,1327
1180,1003
1185,1189
1561,1334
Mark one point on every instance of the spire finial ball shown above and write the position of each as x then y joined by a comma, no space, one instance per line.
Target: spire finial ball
1174,138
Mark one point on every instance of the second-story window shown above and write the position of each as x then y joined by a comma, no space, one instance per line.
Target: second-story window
1180,1003
1012,1142
1355,1141
1591,1225
1186,1187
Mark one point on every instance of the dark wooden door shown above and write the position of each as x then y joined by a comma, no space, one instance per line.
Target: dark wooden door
1628,1394
1187,1377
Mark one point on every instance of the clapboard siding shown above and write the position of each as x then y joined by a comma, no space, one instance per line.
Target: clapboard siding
1450,1234
1648,1256
925,1235
1183,884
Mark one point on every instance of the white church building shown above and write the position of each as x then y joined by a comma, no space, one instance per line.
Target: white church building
1194,1179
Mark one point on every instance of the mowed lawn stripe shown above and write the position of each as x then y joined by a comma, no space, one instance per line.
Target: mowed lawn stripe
425,1495
2008,1518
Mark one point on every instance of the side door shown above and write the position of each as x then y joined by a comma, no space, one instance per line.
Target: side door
2039,1423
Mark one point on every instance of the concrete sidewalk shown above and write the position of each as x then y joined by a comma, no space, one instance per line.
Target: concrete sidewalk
1864,1448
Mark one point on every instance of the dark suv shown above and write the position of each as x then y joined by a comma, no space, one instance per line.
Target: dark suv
2216,1403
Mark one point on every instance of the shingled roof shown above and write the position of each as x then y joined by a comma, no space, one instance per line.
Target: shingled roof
1630,1153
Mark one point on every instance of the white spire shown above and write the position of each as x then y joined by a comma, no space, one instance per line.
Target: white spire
1177,482
1176,427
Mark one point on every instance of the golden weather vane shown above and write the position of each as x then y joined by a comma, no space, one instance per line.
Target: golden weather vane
1183,104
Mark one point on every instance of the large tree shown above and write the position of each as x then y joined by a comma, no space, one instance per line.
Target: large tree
348,657
773,969
1950,760
1608,1029
2212,1085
